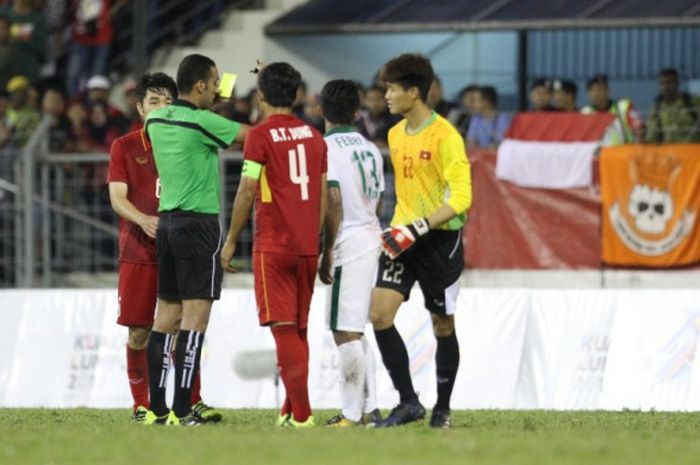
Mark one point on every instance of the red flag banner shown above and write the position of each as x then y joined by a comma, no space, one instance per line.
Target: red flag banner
650,201
551,150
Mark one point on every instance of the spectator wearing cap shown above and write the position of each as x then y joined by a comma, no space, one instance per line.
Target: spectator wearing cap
675,117
99,89
541,95
627,126
23,118
30,33
564,95
487,128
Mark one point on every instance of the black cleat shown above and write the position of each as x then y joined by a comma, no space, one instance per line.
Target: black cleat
371,418
405,412
440,419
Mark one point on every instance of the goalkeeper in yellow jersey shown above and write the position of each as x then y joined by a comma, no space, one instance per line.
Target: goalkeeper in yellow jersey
424,242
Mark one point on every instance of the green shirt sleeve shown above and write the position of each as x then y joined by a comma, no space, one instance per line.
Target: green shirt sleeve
217,130
457,172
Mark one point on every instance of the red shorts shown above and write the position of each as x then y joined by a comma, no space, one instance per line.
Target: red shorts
283,286
138,287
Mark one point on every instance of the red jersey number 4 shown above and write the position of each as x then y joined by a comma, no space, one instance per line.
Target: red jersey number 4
298,173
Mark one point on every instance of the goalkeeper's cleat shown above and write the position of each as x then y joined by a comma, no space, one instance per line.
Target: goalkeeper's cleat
283,420
440,419
152,419
139,414
405,412
309,423
371,418
340,421
206,413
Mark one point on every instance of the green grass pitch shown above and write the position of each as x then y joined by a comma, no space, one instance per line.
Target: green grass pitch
106,437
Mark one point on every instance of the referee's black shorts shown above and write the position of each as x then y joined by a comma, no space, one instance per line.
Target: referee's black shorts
436,261
189,247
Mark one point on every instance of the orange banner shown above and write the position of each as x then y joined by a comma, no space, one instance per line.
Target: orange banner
650,202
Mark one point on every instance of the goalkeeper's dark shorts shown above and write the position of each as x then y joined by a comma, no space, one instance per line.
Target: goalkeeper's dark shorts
436,261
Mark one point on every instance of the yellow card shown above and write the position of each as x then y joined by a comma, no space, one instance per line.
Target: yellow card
226,85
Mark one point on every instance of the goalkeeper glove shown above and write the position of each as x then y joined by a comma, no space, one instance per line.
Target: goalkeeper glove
398,239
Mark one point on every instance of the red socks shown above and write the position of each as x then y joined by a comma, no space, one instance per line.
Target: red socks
137,371
196,388
293,362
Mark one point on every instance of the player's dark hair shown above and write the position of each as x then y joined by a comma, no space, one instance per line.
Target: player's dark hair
340,100
669,72
155,82
193,68
279,82
375,88
409,70
489,94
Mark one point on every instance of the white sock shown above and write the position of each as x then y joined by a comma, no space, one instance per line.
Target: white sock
352,379
370,388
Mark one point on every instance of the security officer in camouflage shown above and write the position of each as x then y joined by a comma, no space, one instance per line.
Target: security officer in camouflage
675,116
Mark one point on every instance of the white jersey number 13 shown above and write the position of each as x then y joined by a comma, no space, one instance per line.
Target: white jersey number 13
297,170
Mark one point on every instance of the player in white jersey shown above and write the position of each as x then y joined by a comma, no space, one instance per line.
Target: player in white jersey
350,249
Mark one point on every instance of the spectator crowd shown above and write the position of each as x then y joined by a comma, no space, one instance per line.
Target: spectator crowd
54,62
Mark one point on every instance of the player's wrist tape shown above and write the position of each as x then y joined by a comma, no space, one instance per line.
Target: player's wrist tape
419,228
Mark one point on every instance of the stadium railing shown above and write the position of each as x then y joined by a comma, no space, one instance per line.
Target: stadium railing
57,220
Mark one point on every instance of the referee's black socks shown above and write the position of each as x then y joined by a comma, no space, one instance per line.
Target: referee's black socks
159,347
396,361
447,362
188,351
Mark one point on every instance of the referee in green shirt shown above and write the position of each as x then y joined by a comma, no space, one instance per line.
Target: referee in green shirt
186,138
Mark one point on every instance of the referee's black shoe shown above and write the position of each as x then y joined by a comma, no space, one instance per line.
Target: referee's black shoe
405,412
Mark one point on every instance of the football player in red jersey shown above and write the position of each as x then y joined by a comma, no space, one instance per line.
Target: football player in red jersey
284,174
133,191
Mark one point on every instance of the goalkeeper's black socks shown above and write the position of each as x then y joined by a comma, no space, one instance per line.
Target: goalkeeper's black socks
395,359
159,345
447,362
188,352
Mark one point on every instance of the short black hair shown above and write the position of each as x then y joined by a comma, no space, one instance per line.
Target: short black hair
409,70
599,78
541,82
155,82
279,82
375,88
193,68
671,72
467,89
340,100
489,93
566,86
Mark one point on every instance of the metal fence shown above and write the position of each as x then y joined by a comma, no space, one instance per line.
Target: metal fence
56,219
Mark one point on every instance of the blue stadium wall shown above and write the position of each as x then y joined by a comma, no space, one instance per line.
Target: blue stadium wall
630,57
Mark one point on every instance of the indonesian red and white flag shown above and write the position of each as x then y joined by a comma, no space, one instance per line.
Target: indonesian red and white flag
551,150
